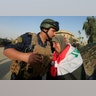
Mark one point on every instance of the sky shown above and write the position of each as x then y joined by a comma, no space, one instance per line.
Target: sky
14,26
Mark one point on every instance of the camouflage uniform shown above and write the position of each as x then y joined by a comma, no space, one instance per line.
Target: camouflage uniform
18,68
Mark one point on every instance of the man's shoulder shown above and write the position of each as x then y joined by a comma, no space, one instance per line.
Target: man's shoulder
27,35
30,33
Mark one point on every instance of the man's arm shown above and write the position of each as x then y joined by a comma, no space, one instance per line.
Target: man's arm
16,55
31,57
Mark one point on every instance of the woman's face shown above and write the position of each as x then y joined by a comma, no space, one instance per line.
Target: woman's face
57,47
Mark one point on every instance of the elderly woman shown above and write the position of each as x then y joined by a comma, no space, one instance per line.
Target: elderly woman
67,61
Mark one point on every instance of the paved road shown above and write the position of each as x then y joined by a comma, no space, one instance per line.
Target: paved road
4,66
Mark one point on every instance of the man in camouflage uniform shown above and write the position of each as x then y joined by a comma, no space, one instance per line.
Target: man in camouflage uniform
30,52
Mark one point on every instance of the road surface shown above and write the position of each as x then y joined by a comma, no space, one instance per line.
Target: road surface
4,66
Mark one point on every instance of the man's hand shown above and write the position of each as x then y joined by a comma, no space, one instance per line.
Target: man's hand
35,59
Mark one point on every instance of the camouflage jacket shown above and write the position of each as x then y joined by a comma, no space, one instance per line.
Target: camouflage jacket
27,43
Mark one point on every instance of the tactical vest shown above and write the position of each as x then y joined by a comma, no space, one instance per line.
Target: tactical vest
22,69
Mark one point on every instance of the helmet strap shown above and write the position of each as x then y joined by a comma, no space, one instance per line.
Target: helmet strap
49,39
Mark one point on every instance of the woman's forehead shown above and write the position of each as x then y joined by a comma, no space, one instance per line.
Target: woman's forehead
55,43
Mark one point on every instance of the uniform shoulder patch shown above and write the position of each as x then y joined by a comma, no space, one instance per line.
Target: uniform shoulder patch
18,40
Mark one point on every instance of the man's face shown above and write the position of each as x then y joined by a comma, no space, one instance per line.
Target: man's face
51,32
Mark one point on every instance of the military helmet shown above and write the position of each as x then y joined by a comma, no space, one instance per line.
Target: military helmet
49,23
